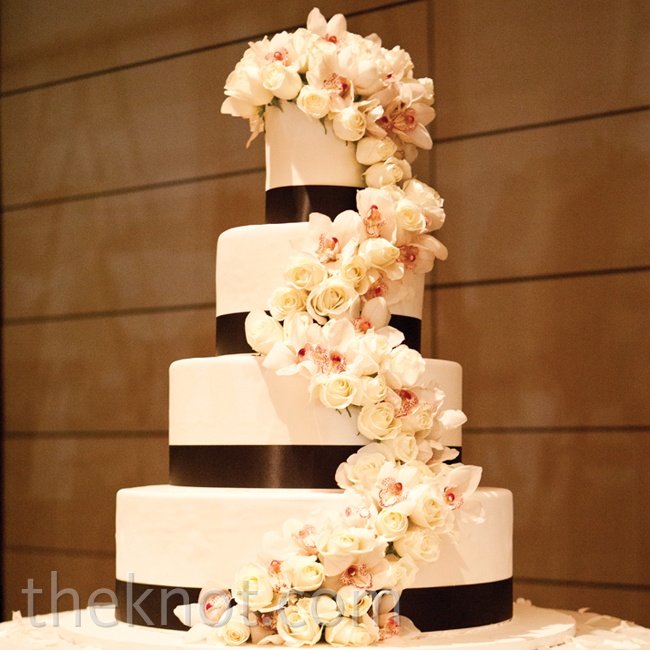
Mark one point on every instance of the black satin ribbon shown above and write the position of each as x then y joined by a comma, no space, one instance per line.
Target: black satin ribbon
231,333
257,466
152,605
430,609
296,203
457,607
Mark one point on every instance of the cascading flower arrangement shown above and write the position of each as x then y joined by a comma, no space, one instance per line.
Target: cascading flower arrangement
337,576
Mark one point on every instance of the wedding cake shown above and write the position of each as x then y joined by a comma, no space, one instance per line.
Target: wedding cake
316,485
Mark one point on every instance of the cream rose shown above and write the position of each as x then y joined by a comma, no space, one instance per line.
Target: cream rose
409,216
351,632
378,422
403,571
403,367
393,170
420,544
361,469
252,587
349,124
262,331
428,199
404,447
305,272
355,270
285,301
244,87
391,524
430,511
323,609
283,81
373,390
353,601
371,150
314,102
297,627
331,298
381,254
304,572
232,630
336,391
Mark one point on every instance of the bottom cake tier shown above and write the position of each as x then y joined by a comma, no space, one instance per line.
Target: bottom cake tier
171,541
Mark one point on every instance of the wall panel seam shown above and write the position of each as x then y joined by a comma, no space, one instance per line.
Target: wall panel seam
132,189
542,125
177,55
569,275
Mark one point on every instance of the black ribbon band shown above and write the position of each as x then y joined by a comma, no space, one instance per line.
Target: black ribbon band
295,203
231,333
152,605
430,609
310,467
257,466
457,607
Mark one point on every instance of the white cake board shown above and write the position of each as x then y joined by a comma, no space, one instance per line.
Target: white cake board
530,628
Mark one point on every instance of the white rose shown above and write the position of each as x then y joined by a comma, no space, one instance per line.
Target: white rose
232,630
314,102
430,511
376,346
373,390
337,390
381,254
391,524
355,270
422,418
283,81
262,331
420,544
404,447
428,199
352,633
353,601
252,587
324,609
305,272
409,216
403,570
393,170
403,367
371,150
331,298
285,301
361,469
244,85
349,124
297,627
304,572
378,422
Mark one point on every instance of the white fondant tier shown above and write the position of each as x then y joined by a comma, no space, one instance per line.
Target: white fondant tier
186,537
302,151
251,261
234,400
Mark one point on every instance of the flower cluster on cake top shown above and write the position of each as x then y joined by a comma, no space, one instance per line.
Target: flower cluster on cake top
337,576
363,89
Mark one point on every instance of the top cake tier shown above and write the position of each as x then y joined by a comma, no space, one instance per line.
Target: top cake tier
308,169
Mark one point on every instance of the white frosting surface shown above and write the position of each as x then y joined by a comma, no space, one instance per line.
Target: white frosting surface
251,261
186,536
302,151
234,400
